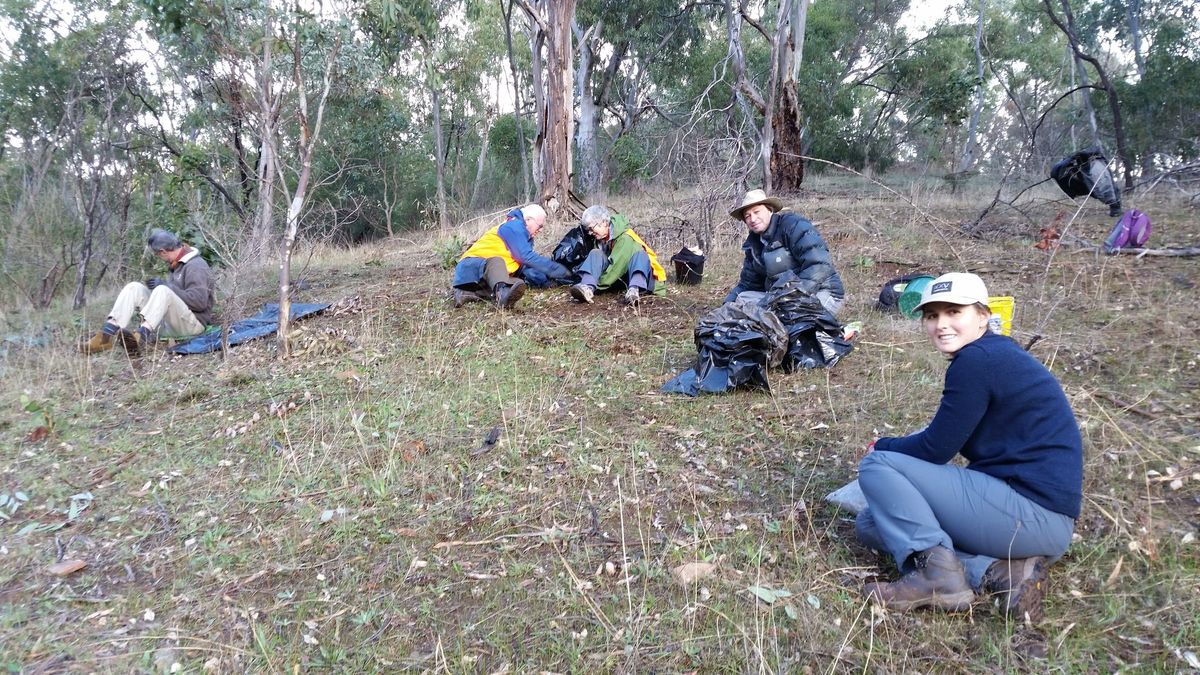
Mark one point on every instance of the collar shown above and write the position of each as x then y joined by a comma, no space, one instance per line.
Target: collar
183,259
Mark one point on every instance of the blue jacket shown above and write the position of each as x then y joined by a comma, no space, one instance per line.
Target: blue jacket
510,241
810,259
1003,411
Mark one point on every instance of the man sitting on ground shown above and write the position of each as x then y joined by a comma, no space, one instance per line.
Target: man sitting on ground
180,305
621,259
782,241
501,262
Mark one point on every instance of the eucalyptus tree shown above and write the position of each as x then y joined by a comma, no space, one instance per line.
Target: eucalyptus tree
619,49
71,125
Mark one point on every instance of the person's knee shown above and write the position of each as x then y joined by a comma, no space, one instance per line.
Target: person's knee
135,286
161,293
875,469
640,262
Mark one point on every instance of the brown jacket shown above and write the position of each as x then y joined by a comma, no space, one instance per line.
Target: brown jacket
191,279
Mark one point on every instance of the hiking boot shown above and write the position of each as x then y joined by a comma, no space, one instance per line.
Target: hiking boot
462,297
583,293
507,295
632,297
133,342
938,581
1019,586
100,342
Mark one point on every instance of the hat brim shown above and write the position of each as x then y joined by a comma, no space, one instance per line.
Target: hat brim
774,203
949,299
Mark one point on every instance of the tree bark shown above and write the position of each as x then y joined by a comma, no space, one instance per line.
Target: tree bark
483,150
308,144
783,132
589,114
516,82
555,190
439,142
967,160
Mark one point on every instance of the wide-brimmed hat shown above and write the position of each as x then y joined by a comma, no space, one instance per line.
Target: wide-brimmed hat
754,198
956,288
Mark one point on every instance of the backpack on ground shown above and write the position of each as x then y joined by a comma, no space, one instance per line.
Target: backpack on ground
1131,231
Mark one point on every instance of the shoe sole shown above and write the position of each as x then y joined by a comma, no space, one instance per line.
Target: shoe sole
580,295
952,602
1026,598
518,290
467,298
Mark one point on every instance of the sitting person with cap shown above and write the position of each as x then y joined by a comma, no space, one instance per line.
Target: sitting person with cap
621,259
179,305
995,525
782,241
500,263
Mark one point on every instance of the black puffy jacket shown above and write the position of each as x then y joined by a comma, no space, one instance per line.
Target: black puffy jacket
789,242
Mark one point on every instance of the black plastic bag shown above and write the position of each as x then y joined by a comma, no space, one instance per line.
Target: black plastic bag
1086,173
735,344
814,335
574,247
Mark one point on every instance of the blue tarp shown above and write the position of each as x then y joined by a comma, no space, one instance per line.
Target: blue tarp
263,323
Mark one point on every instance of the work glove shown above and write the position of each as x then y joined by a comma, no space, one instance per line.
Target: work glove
154,283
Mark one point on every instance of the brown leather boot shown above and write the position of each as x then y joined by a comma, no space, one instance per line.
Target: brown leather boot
938,581
100,342
1019,586
462,297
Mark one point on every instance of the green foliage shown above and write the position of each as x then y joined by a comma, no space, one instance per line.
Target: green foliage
630,161
449,251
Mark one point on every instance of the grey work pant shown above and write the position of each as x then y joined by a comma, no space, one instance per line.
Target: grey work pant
914,505
831,304
597,263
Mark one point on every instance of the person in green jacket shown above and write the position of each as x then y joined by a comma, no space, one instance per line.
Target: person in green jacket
621,259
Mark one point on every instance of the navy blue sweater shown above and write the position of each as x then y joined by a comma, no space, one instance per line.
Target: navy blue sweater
1004,412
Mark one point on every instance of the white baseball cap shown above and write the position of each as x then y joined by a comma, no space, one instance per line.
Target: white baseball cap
956,288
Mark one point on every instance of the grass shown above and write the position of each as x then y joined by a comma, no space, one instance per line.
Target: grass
340,510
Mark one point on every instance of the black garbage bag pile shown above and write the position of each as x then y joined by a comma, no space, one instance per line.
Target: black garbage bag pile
1085,174
737,342
574,247
814,335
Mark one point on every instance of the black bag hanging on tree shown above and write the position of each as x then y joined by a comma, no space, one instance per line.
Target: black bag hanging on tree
1086,173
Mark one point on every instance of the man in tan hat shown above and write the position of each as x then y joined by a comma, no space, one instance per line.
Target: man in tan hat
782,241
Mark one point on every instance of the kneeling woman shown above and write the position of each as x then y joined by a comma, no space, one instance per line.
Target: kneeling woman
994,526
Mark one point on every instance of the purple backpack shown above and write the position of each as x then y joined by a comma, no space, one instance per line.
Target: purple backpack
1131,231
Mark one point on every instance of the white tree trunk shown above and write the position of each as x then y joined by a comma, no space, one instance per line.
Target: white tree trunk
968,153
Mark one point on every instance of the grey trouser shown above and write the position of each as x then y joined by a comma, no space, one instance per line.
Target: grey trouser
913,505
597,263
828,301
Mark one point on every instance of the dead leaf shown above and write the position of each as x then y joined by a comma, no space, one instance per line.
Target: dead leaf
38,434
412,449
689,573
1116,572
406,532
66,567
